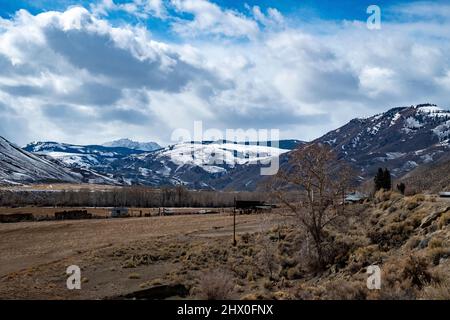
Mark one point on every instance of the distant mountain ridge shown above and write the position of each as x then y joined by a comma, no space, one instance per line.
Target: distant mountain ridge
184,163
130,144
94,157
400,139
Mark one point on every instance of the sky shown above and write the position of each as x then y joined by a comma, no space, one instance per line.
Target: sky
87,72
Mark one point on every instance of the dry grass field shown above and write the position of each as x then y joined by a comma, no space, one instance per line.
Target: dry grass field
407,236
45,249
28,244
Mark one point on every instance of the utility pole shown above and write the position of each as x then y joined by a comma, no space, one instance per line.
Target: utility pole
234,223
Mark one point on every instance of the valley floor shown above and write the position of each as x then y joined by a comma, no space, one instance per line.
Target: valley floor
35,255
407,237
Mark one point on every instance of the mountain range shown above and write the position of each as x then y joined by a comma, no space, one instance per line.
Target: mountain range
404,139
134,145
400,139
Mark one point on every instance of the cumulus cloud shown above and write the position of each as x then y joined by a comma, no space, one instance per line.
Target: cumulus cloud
139,8
64,63
209,18
74,76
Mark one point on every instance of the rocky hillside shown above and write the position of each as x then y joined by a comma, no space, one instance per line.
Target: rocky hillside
17,166
432,177
400,139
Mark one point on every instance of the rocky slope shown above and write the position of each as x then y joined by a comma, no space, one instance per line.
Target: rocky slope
400,139
17,165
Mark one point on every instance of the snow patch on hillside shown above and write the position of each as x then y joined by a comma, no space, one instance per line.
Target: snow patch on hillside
442,131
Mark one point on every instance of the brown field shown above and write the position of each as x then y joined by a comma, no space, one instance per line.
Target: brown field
46,248
408,237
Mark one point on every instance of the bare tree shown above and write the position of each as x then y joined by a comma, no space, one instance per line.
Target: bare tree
321,180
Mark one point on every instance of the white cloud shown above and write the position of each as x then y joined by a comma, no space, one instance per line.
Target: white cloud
209,18
139,8
273,18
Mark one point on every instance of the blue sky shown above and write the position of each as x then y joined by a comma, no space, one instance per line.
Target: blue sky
87,72
325,9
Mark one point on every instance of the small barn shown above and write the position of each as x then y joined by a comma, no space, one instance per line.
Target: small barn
119,212
167,212
355,197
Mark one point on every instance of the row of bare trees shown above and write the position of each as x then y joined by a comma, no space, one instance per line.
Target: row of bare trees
128,197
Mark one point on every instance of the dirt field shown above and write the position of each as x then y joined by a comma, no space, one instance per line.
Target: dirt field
35,255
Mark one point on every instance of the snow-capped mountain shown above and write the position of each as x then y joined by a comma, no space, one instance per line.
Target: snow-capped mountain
19,166
207,165
130,144
400,139
89,157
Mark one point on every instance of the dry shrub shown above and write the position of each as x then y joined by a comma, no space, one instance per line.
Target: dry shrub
392,235
267,256
416,270
438,253
134,276
444,220
393,285
414,201
256,296
282,295
216,285
245,237
294,273
413,243
345,290
382,196
339,289
364,256
437,291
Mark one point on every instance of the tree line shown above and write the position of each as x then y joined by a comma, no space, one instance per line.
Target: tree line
143,197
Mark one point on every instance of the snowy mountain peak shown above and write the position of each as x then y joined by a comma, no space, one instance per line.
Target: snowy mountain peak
130,144
400,138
